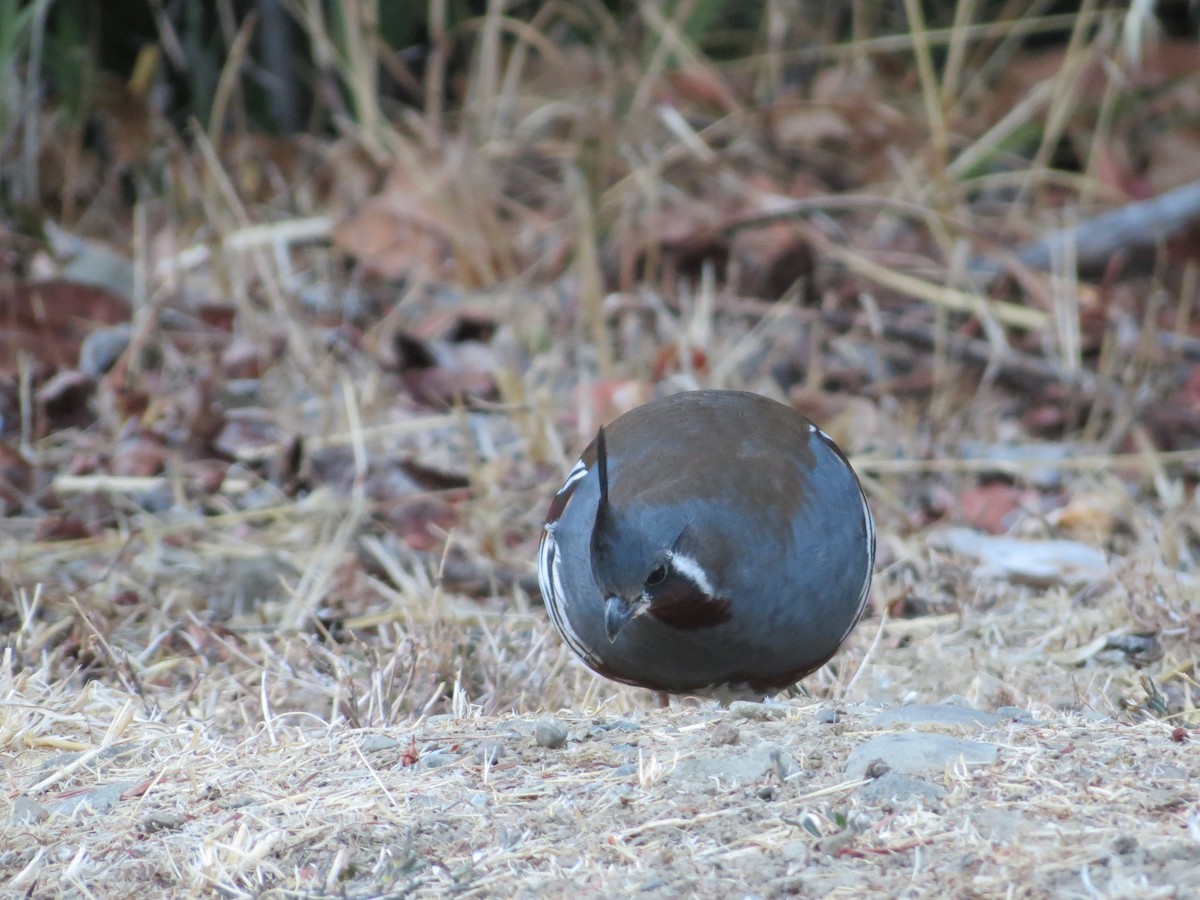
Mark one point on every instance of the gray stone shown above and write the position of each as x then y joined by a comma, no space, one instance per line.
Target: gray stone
110,753
100,350
894,789
996,824
936,714
1040,464
1015,714
435,759
488,752
101,800
617,725
833,844
796,850
757,712
827,715
724,734
954,700
162,822
1165,771
752,764
1041,562
27,811
916,752
622,725
550,733
93,263
373,743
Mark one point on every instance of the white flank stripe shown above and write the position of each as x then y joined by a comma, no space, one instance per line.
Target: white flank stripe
550,576
550,581
546,551
574,475
866,588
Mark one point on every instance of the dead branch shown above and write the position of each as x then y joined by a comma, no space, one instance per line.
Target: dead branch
1134,229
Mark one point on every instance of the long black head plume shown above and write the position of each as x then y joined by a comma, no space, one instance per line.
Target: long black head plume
602,466
604,529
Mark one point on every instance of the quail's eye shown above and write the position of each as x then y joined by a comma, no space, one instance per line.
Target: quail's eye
657,575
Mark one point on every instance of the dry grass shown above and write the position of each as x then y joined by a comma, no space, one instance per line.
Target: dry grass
114,800
250,758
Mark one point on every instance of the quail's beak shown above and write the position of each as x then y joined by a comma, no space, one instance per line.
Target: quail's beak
619,610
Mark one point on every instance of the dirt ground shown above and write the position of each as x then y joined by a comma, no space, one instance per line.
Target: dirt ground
108,797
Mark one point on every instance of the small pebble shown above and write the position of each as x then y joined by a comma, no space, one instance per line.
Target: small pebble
437,758
795,850
373,743
877,768
826,716
915,752
487,752
621,793
622,725
901,793
28,811
1125,844
618,725
550,733
835,843
161,822
759,712
101,349
724,735
783,764
936,716
1015,713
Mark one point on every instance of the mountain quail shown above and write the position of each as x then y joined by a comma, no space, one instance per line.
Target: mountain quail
711,542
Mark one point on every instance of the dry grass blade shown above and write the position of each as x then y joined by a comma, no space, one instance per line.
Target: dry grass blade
938,295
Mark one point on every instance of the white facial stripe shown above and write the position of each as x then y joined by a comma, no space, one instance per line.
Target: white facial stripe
692,571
